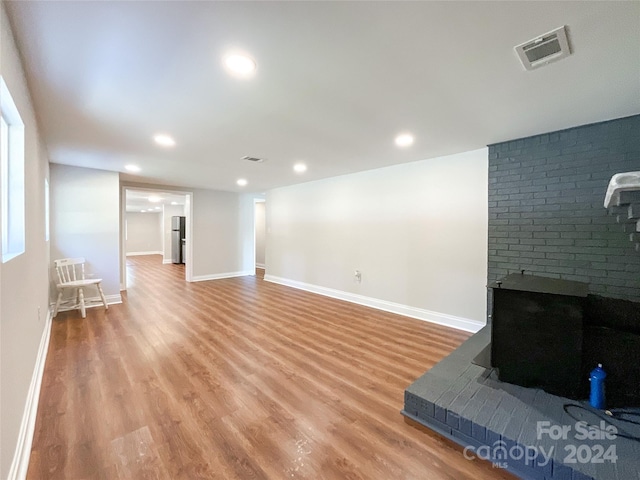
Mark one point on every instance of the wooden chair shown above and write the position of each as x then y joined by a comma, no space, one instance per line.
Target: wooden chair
71,276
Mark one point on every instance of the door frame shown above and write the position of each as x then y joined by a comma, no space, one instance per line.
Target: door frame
255,202
188,211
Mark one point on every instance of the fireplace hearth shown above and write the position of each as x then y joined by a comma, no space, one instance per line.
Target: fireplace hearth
498,421
525,375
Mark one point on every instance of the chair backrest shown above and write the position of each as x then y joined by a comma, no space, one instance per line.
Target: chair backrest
69,269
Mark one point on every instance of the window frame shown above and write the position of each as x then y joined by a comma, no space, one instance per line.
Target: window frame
12,177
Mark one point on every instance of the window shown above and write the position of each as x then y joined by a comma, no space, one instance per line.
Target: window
46,210
11,176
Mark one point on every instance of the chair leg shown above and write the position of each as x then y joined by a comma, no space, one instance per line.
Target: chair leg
55,309
104,300
83,310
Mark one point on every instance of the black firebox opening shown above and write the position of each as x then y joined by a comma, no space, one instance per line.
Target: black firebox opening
550,333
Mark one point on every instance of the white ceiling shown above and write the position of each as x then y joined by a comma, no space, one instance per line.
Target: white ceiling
335,82
138,200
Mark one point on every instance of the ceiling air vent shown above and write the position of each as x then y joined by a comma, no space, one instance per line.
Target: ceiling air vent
252,159
544,49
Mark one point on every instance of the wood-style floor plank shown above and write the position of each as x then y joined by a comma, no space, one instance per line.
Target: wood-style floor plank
237,379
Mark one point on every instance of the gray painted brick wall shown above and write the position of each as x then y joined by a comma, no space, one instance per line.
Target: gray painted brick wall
546,212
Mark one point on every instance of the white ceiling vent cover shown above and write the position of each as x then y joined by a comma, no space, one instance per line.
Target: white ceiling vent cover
544,49
252,159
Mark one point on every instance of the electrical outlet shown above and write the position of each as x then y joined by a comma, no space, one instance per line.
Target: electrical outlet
358,276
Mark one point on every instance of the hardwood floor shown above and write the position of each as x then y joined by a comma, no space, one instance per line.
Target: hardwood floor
237,379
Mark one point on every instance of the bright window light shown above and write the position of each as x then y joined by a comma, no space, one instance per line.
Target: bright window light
11,176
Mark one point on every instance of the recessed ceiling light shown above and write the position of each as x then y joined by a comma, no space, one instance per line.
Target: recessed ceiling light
404,140
300,167
240,65
174,203
158,208
132,168
142,211
242,182
154,199
164,140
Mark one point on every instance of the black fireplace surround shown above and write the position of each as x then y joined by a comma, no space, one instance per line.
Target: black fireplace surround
550,333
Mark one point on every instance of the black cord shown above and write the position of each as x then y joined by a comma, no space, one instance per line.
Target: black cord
607,416
621,411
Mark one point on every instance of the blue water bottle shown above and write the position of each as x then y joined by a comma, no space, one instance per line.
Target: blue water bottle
597,376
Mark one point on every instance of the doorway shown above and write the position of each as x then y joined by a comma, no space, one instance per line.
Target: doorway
146,227
260,235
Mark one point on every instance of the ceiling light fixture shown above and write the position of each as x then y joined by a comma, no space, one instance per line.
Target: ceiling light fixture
154,199
242,182
158,208
300,168
174,203
142,211
240,65
132,168
404,140
164,140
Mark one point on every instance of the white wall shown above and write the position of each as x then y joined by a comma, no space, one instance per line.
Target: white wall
144,232
261,230
417,232
217,248
24,283
85,221
168,212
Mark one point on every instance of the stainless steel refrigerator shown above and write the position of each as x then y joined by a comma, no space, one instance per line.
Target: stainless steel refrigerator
178,239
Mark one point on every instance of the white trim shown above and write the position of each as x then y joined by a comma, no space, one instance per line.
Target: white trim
260,265
452,321
188,212
166,261
133,254
91,302
22,454
219,276
111,299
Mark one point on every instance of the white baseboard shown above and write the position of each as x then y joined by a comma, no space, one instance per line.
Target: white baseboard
92,302
22,454
165,261
218,276
260,265
133,254
452,321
